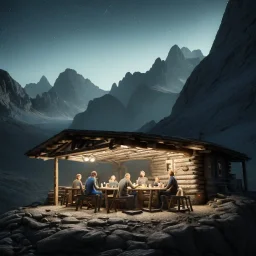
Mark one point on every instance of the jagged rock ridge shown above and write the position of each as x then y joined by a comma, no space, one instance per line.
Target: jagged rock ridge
13,96
170,74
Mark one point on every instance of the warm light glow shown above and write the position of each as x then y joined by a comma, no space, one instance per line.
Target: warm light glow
124,146
92,159
86,159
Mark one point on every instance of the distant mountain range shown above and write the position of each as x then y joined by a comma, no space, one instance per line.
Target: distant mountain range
141,96
138,98
34,89
69,96
170,74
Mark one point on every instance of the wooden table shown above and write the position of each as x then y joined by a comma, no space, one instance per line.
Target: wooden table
151,190
105,190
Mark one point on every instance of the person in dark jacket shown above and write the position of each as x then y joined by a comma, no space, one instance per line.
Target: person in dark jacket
91,187
171,189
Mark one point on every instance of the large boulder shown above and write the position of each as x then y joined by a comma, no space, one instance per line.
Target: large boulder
67,240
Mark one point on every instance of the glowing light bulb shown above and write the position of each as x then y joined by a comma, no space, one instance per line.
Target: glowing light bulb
92,159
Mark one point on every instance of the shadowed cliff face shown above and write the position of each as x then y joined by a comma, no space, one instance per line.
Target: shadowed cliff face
148,104
12,95
218,99
221,90
105,113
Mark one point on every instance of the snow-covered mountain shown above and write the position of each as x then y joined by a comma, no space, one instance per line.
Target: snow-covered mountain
42,86
218,100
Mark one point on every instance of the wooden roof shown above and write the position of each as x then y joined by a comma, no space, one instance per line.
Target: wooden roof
107,146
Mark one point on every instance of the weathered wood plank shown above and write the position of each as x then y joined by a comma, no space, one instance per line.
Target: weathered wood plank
188,159
188,182
189,171
193,186
189,164
193,191
189,176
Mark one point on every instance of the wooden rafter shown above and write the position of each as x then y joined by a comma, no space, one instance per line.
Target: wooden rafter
90,142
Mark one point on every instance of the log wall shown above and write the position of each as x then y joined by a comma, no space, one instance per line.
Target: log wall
217,174
189,172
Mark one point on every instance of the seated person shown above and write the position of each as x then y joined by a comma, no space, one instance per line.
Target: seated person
113,182
156,182
142,180
171,188
123,188
91,188
77,183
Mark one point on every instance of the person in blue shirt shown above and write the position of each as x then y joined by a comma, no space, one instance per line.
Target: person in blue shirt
91,187
171,189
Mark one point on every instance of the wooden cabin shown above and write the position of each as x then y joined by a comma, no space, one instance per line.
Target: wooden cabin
201,168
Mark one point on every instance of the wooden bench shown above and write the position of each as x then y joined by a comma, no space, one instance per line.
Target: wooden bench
88,198
182,202
117,200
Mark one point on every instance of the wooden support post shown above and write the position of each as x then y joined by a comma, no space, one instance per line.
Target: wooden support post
56,181
244,175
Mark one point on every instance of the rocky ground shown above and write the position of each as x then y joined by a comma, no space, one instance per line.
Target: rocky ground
225,226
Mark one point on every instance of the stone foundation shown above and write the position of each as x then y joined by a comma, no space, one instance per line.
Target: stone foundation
226,226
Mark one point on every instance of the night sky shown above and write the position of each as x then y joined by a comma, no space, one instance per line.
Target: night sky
100,39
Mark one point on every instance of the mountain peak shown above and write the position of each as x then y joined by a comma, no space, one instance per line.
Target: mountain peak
175,53
44,80
70,70
33,89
